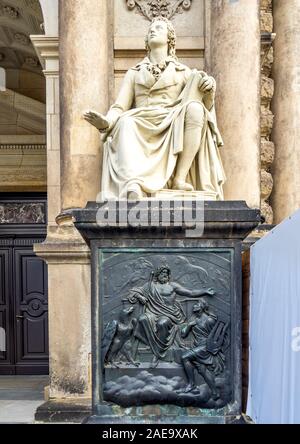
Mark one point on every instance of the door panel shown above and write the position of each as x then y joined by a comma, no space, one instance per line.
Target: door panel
31,309
5,332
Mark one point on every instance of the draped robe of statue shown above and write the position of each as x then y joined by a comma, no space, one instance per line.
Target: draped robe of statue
146,133
158,326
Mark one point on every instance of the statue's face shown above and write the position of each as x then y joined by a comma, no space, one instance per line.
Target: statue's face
158,34
198,308
163,277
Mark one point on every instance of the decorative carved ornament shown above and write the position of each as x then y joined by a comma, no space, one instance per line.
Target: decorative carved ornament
32,61
154,8
22,39
9,11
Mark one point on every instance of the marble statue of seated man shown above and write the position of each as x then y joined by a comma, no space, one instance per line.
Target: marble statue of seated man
161,133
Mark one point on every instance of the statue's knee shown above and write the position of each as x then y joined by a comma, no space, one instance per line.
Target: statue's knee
195,113
163,322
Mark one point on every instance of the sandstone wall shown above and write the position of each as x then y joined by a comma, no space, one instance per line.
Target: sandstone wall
267,117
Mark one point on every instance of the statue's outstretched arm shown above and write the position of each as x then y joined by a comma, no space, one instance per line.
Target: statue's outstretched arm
124,100
123,103
181,291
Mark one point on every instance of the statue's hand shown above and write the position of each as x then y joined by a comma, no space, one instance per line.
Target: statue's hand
207,84
97,120
141,299
210,292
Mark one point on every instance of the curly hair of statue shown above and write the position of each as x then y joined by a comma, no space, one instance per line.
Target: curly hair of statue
160,270
171,36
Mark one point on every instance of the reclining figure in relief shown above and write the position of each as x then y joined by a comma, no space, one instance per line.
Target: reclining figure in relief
161,133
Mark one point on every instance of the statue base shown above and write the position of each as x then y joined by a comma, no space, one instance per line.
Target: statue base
166,309
160,415
185,195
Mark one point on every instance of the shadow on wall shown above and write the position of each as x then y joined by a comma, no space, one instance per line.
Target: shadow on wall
2,79
2,340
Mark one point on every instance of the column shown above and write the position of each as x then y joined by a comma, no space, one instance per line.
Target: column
84,85
286,108
235,63
73,179
68,258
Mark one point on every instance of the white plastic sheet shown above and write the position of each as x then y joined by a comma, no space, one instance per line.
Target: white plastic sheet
274,380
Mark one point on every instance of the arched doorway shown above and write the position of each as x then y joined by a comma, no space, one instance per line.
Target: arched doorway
23,197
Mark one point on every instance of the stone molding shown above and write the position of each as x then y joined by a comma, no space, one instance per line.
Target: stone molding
63,252
22,147
47,48
22,163
64,245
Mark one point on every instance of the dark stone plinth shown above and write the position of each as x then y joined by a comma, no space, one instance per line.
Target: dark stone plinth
222,220
64,411
166,309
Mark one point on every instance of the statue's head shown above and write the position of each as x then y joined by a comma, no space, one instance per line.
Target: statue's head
200,307
163,275
161,32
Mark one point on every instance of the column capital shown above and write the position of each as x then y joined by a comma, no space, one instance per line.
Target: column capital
47,49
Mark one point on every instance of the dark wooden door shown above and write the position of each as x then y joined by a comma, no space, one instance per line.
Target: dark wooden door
23,312
31,313
23,285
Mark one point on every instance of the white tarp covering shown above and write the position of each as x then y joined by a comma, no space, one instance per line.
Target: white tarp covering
274,382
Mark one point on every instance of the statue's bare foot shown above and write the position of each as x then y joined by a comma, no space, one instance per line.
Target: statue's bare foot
154,363
182,185
189,388
135,192
136,364
215,395
97,120
115,365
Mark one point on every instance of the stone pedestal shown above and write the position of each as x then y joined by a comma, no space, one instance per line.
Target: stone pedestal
166,309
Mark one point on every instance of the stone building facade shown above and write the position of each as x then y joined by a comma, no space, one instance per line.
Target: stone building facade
63,57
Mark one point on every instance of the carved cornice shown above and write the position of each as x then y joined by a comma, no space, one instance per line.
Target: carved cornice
64,249
47,48
154,8
22,147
